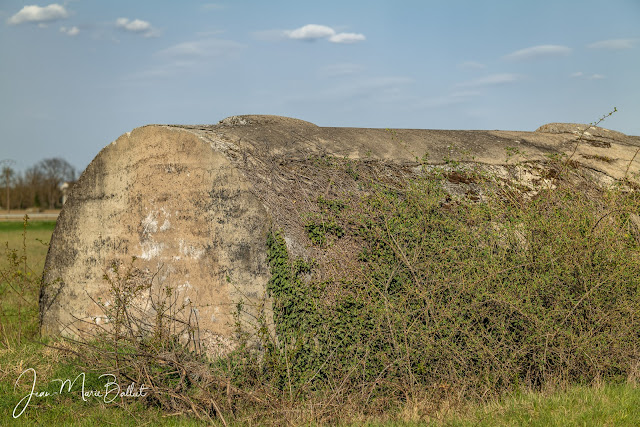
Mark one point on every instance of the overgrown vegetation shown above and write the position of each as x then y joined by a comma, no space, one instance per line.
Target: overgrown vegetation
456,300
502,295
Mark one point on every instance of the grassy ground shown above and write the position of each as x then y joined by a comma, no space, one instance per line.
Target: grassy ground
22,258
37,239
609,404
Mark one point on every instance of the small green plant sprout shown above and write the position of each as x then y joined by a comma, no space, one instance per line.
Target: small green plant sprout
350,170
317,230
425,158
512,152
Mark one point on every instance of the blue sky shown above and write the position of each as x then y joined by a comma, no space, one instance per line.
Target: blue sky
74,75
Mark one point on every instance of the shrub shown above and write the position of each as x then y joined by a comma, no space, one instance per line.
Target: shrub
463,299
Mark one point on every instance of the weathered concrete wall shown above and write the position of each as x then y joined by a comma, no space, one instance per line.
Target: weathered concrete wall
165,196
195,203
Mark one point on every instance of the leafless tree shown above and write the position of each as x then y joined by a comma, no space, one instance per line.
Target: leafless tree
7,174
21,192
34,186
54,172
37,186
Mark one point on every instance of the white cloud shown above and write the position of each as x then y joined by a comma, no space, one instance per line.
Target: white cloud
312,32
347,38
381,89
201,49
490,80
614,44
73,31
137,26
537,52
472,65
38,14
580,75
198,56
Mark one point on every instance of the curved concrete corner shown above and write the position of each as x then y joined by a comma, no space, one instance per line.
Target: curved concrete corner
170,199
194,204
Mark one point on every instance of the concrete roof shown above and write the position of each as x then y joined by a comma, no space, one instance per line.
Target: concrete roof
600,149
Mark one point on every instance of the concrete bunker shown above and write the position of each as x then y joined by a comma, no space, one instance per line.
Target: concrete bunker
194,204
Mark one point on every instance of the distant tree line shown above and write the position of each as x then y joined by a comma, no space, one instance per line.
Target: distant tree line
37,187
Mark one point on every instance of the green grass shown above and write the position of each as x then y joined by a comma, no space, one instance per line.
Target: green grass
610,404
12,226
22,258
37,241
606,405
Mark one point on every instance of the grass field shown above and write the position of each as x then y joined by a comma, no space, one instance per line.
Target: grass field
11,227
609,404
37,239
21,264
